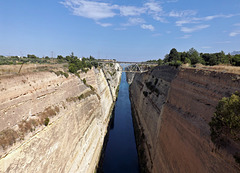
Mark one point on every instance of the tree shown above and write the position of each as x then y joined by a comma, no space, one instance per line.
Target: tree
60,57
173,55
236,60
225,124
160,62
72,68
194,56
31,56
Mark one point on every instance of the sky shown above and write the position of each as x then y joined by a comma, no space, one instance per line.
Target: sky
126,30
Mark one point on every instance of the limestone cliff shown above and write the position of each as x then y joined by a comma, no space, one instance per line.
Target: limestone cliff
78,114
171,111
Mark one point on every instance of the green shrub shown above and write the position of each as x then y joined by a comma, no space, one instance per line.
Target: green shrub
46,121
62,73
226,120
84,81
175,63
65,74
80,97
117,90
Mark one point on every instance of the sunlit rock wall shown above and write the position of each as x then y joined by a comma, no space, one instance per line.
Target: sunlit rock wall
73,139
171,112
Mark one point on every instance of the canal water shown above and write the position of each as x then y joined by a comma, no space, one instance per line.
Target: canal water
120,155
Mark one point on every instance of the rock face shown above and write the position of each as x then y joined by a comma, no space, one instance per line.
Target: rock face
78,115
171,111
130,77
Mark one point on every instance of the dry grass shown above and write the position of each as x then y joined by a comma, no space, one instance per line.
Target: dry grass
6,70
86,94
48,112
221,68
27,126
82,96
229,69
9,136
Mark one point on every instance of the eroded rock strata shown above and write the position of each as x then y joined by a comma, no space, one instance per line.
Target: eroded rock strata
171,111
78,113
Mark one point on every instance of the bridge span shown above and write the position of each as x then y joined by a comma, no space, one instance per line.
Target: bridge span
128,66
128,62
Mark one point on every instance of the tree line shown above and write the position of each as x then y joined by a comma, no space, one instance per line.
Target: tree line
194,57
74,63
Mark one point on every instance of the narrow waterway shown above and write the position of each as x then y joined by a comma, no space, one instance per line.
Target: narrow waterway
121,153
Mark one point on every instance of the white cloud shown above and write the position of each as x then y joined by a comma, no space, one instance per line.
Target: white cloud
131,11
104,24
157,35
185,21
223,42
150,27
134,21
207,18
153,7
195,28
201,19
185,36
91,9
120,29
234,33
160,19
169,1
155,10
237,24
183,13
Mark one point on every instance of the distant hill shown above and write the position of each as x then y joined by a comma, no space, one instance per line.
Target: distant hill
235,52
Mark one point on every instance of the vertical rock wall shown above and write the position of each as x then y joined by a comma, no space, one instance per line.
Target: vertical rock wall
73,139
171,112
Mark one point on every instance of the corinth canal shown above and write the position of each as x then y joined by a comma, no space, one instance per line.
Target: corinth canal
120,154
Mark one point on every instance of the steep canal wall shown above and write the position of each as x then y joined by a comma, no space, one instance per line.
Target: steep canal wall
55,123
171,111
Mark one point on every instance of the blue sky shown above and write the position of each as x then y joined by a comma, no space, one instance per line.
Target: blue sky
133,30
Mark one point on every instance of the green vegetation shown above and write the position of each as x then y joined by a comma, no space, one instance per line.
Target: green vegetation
117,90
12,60
112,74
62,73
84,81
46,121
86,94
193,57
9,136
159,61
74,63
226,120
225,124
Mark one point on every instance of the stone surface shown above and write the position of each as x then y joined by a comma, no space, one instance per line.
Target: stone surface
73,139
171,121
